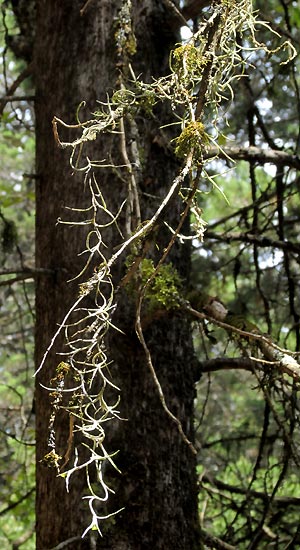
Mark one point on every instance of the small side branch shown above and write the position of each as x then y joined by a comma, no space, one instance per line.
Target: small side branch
214,542
174,418
65,543
278,358
228,363
262,156
280,501
138,326
15,85
15,504
260,241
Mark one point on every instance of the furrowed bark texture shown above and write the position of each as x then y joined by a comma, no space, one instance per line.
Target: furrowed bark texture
74,61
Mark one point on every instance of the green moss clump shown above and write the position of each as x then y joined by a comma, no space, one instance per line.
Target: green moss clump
163,291
193,137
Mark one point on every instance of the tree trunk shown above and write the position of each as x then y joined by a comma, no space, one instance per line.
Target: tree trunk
75,60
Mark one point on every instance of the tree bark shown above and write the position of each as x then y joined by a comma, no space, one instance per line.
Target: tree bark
75,60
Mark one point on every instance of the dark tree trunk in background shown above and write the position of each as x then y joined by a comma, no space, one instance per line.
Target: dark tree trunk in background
75,61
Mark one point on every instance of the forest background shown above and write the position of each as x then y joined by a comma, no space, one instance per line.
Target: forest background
244,249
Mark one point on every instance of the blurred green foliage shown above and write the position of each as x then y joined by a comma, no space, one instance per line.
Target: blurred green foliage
17,438
247,423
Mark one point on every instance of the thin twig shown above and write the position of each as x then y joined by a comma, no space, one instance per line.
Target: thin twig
10,91
138,324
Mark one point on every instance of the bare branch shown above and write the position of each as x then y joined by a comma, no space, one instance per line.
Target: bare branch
22,274
254,239
227,363
8,98
262,156
17,279
275,356
24,74
65,543
14,504
279,501
214,542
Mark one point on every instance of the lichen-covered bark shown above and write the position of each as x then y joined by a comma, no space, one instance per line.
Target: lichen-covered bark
75,61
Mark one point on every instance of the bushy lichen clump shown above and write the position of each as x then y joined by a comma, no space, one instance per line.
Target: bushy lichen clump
188,62
140,97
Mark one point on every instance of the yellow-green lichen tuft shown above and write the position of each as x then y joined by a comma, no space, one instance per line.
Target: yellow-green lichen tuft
192,138
188,61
